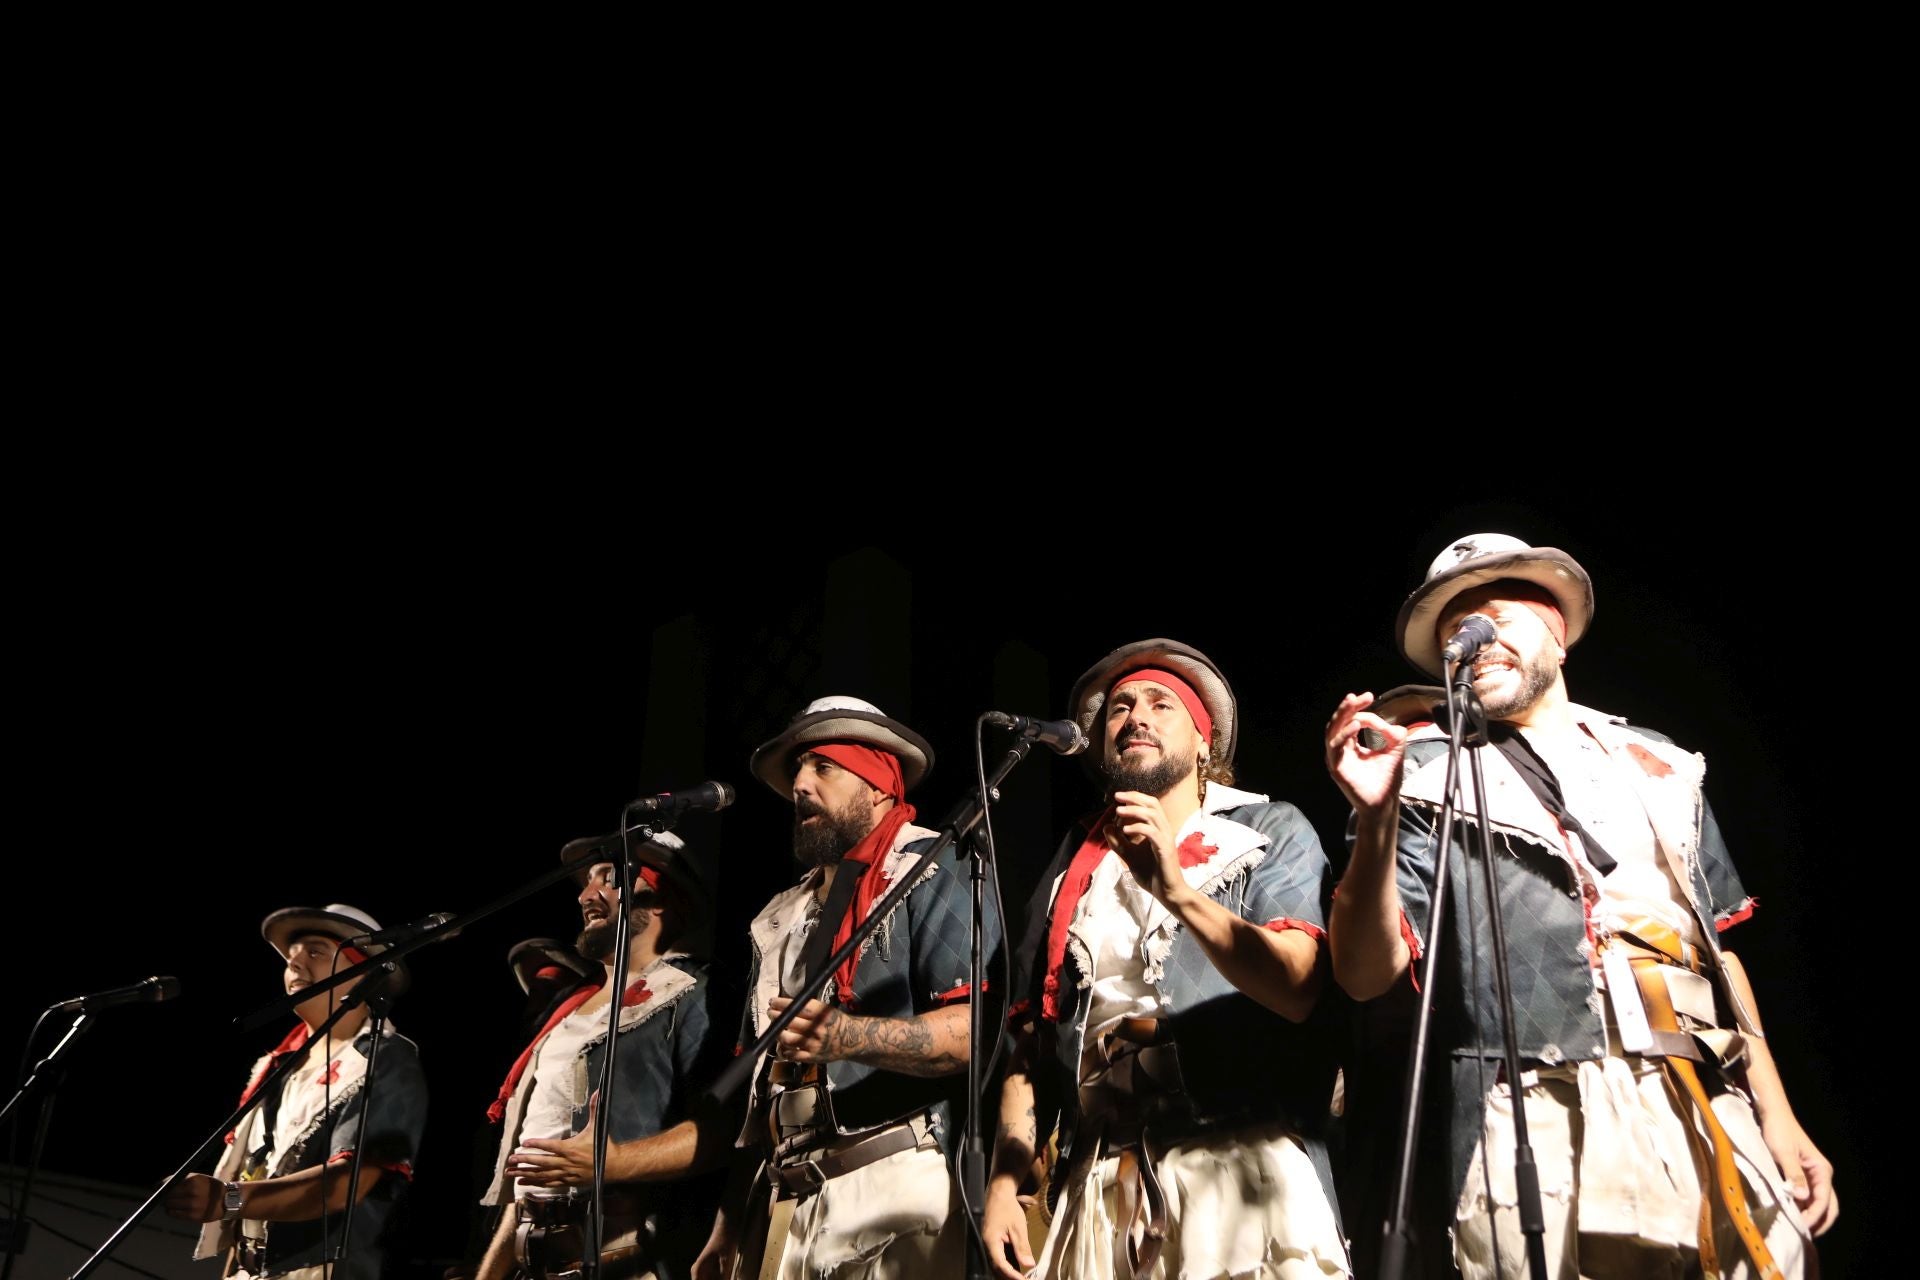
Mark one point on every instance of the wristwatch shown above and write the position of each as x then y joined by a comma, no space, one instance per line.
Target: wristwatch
231,1201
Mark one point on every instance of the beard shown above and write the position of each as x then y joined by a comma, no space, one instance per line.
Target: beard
827,842
596,942
1537,675
1155,779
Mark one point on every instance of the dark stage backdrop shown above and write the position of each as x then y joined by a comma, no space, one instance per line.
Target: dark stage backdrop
414,717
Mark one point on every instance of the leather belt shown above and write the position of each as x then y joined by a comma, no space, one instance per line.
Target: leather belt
1714,1158
1647,937
809,1173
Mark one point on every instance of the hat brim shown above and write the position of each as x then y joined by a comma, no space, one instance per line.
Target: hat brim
288,923
772,761
672,863
1418,626
529,957
1089,696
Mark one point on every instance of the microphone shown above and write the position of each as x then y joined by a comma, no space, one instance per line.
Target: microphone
1063,736
401,932
708,797
1475,634
155,989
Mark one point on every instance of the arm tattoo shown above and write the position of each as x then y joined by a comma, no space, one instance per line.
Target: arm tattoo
906,1045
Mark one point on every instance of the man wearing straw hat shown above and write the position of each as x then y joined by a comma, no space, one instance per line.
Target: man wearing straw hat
667,1051
1172,1031
841,1169
278,1200
1662,1139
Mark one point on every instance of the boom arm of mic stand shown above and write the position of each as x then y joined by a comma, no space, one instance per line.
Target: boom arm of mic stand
965,817
268,1084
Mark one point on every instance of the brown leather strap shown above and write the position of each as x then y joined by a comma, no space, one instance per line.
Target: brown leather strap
807,1174
1150,1206
1661,940
1724,1174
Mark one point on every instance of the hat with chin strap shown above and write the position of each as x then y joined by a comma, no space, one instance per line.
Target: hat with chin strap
1474,561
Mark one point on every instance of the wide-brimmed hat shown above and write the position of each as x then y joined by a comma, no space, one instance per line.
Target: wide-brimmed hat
1089,696
338,921
840,719
663,851
1473,561
532,957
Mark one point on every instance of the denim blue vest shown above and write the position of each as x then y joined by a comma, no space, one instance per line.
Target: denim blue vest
1558,1008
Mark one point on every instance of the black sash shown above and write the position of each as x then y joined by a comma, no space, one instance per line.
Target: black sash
1514,745
846,878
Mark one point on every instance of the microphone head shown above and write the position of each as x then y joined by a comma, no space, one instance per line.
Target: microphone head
1077,740
165,988
722,794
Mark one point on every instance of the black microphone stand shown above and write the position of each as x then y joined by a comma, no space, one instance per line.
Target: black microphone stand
377,1002
603,1096
960,825
50,1071
1463,706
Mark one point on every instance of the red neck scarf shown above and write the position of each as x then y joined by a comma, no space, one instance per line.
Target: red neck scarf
873,886
294,1039
1073,887
636,994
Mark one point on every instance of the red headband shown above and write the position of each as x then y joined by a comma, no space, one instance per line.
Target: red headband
876,767
1188,698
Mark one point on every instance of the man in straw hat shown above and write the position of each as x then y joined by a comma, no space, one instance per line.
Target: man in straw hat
668,1049
1171,1032
855,1110
1662,1135
841,1167
278,1198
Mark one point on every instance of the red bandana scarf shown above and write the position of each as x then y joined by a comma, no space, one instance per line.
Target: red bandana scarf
636,994
1073,887
879,769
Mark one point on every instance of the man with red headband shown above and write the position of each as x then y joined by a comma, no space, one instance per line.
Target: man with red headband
277,1202
667,1052
841,1166
854,1110
1172,1037
1662,1139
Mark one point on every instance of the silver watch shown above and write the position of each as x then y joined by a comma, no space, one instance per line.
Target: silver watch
231,1201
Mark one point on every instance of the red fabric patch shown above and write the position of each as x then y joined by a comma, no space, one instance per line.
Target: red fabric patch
1732,918
636,994
961,992
1650,764
331,1075
1283,923
1412,940
402,1167
1193,852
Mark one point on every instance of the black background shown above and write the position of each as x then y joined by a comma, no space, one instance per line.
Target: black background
408,696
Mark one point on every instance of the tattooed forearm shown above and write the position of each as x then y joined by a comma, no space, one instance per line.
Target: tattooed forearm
1017,1138
926,1045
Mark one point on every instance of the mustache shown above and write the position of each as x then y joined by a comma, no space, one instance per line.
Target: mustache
808,809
